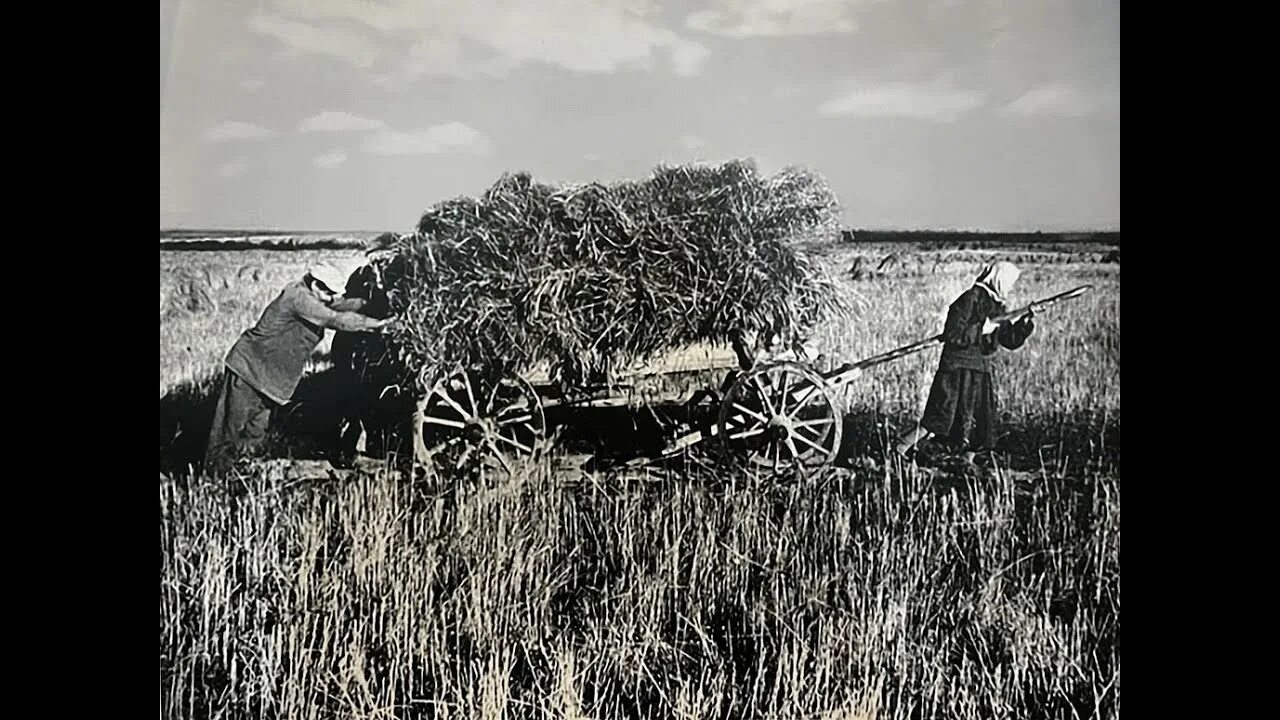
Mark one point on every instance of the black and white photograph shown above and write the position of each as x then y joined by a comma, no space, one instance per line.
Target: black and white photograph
595,359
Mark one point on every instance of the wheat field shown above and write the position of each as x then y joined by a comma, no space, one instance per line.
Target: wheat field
872,589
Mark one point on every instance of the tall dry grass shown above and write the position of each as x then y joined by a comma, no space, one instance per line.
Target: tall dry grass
680,597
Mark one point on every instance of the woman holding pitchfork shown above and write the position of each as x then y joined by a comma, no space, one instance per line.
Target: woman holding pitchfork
962,403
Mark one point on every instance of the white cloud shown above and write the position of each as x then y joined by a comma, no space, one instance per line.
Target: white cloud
901,100
330,121
335,42
580,35
444,55
236,130
687,58
252,84
234,168
493,37
1056,99
776,18
330,159
385,15
449,137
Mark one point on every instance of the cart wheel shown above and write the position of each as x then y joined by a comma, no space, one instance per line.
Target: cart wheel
467,419
781,415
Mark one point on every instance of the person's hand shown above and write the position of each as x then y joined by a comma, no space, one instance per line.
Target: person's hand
989,326
384,325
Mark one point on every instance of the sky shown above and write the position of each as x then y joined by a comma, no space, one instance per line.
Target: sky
360,114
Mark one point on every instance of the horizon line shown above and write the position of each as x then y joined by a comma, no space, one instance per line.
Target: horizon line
282,231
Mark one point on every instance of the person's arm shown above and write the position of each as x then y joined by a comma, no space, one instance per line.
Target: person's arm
347,304
1013,335
355,322
961,330
310,308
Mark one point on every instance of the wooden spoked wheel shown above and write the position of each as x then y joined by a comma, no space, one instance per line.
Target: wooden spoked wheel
469,420
781,416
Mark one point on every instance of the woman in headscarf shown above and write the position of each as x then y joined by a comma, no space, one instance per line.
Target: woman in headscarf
962,402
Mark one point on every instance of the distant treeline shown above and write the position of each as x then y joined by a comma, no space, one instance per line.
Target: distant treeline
265,233
267,240
302,243
978,238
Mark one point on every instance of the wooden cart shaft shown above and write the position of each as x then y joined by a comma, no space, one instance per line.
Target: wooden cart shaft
848,373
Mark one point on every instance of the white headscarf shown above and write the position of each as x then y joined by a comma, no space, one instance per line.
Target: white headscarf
998,279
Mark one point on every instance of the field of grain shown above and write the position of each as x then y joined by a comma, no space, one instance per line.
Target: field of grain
874,589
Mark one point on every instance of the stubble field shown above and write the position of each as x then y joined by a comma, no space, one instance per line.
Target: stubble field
874,589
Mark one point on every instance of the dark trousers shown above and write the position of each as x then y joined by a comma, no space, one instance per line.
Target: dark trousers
239,423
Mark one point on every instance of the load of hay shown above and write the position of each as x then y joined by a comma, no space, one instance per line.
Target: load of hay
587,277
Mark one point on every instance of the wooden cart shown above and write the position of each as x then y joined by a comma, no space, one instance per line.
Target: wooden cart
776,415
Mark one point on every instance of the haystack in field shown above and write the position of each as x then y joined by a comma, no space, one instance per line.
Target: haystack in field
190,294
584,277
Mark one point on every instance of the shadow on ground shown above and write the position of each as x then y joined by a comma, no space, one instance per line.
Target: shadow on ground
309,429
186,412
1025,443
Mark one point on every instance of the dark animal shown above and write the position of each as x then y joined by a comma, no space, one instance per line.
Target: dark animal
367,394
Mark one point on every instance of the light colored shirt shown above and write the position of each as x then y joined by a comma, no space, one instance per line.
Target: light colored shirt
271,355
